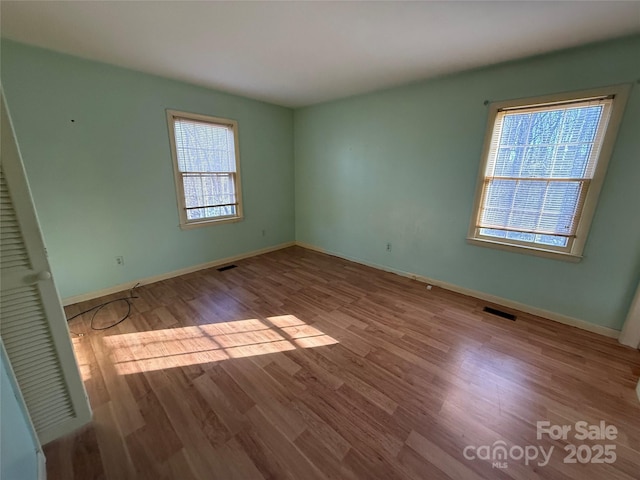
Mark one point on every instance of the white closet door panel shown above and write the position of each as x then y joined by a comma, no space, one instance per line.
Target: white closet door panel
33,326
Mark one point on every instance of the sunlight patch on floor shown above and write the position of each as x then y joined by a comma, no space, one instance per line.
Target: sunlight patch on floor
84,363
178,347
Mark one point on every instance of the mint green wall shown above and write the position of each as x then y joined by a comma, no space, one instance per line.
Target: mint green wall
18,445
400,166
103,185
395,166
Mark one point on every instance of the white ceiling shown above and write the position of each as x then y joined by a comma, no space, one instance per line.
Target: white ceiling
301,53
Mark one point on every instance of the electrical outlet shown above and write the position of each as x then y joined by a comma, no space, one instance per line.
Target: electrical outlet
120,260
388,247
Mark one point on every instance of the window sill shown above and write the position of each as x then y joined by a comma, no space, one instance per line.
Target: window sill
209,222
540,252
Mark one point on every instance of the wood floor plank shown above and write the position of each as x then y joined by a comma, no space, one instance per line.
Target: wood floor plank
257,450
262,389
179,467
417,467
199,451
228,413
317,452
335,443
113,450
125,409
87,456
61,458
297,365
295,463
434,455
237,462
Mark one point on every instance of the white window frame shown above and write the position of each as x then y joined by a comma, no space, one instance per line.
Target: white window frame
573,251
185,223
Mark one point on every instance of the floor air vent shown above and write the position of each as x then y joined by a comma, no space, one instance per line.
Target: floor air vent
499,313
228,267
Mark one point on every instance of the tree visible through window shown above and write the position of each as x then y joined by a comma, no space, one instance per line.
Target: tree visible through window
541,162
206,167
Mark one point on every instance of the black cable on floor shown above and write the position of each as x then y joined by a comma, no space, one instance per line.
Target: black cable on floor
97,308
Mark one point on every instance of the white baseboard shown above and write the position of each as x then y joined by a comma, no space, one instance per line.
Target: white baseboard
564,319
176,273
42,465
557,317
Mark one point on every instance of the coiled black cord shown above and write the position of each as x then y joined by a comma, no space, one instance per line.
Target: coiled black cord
97,308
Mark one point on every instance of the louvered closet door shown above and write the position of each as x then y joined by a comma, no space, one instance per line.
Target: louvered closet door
33,326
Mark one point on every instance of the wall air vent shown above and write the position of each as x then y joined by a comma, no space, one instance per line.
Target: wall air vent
499,313
227,267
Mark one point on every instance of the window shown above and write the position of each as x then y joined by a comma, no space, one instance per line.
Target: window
543,166
206,167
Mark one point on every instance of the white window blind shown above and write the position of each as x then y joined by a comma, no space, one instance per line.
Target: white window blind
540,164
206,166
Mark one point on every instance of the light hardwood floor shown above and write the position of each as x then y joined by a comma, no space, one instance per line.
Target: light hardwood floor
298,365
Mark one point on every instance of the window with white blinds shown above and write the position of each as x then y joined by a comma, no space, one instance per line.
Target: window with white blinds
206,167
544,163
